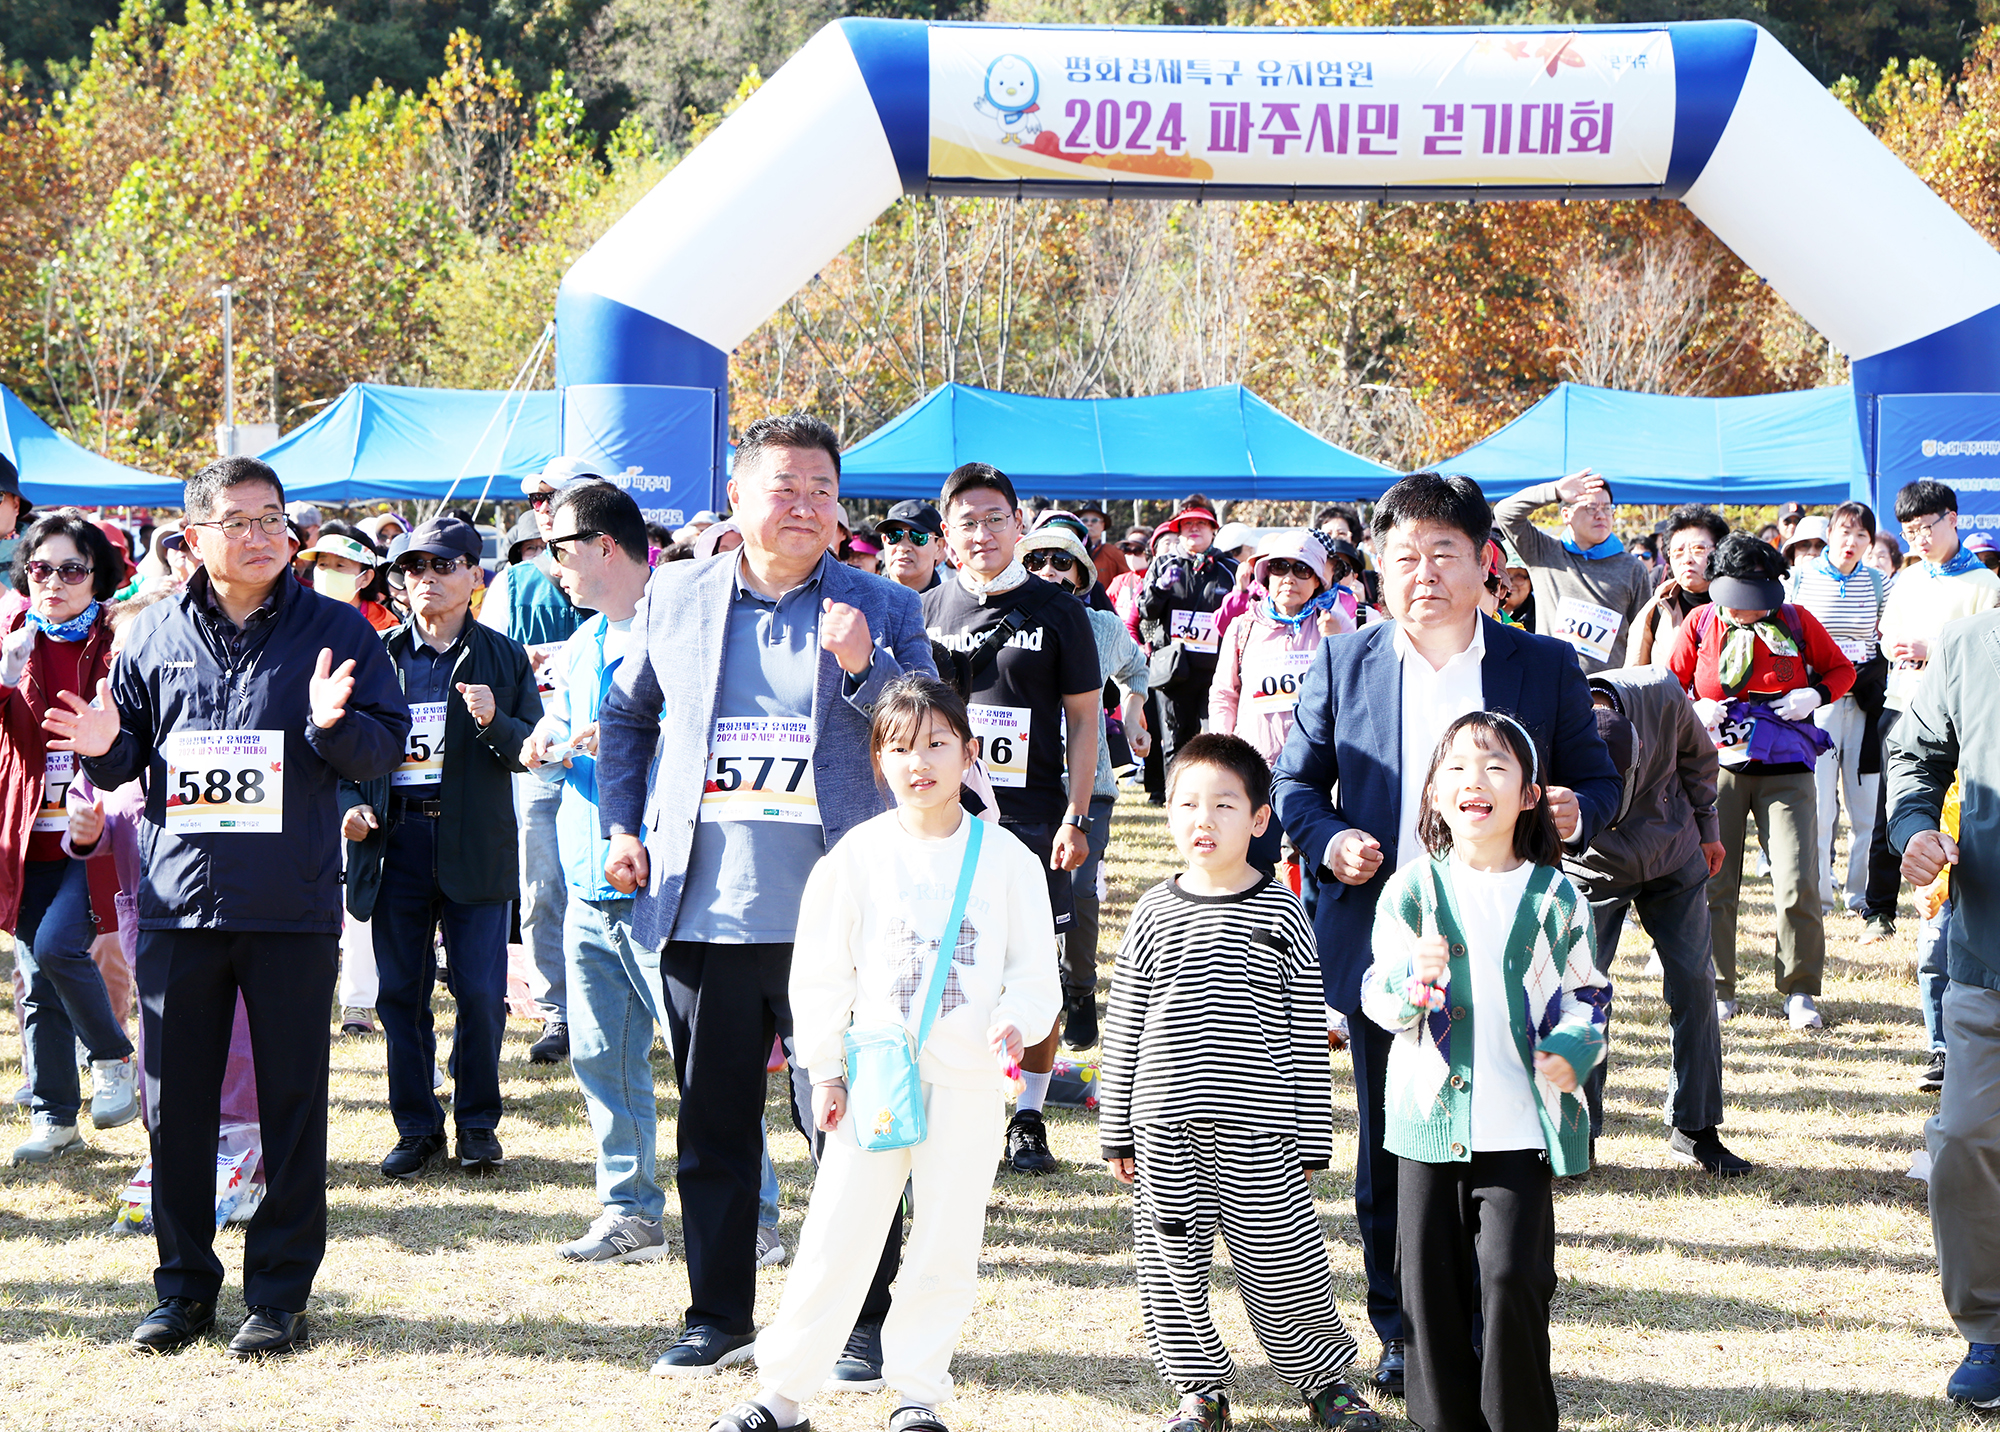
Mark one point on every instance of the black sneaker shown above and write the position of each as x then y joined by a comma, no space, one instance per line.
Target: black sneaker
553,1046
860,1366
1341,1406
412,1155
1931,1081
1877,929
702,1351
479,1150
1080,1029
1703,1148
1028,1143
1200,1412
1389,1370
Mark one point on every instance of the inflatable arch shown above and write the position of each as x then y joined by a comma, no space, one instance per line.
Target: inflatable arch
1715,114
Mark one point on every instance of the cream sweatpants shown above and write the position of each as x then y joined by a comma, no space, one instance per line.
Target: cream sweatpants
853,1198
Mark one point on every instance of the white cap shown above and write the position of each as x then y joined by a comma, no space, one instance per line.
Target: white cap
560,473
1234,535
1810,529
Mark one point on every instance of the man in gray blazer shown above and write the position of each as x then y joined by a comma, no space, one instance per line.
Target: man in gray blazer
732,754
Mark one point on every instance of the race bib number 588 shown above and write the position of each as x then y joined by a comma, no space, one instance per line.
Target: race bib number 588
225,781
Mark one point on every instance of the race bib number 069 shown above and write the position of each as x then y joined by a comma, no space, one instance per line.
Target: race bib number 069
1272,686
761,768
225,781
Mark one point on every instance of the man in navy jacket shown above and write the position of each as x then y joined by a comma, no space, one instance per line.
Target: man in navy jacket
242,702
1346,784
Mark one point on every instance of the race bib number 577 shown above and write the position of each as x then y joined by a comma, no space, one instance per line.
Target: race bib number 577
225,781
761,768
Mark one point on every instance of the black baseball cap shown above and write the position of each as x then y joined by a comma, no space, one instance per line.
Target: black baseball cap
1792,509
446,537
913,513
10,477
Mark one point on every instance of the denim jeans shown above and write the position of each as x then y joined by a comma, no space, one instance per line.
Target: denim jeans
66,999
544,893
614,1001
1932,936
408,912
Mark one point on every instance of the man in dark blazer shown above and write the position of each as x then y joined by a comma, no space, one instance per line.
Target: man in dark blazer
1346,784
733,754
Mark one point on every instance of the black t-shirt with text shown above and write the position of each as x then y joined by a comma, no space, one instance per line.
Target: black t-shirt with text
1016,703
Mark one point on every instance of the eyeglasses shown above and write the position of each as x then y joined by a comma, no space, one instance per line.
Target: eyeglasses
1286,567
1602,509
1914,530
403,571
555,546
540,500
70,572
995,522
1059,561
271,524
912,535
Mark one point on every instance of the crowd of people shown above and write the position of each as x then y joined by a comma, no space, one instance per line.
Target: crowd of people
835,801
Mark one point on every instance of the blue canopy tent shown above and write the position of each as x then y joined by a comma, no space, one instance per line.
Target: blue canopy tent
381,442
1225,441
56,472
1771,448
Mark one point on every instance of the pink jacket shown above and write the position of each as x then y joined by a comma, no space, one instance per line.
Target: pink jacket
1257,676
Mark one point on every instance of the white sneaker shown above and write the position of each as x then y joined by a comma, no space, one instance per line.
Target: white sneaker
1725,1009
770,1248
1802,1012
114,1091
48,1140
617,1238
24,1095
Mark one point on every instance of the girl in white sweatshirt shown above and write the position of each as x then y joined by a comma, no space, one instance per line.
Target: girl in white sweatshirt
871,926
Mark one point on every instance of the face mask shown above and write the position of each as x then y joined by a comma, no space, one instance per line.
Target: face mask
340,586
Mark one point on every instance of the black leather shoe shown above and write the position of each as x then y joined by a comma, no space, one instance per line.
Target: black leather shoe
412,1155
553,1046
174,1323
1389,1370
479,1150
1080,1029
268,1331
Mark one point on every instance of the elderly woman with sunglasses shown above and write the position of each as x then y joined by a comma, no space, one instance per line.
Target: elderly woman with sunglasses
1266,651
67,570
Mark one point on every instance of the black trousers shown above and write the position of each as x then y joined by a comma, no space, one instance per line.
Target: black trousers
1375,1175
1478,1240
725,1004
188,982
1885,866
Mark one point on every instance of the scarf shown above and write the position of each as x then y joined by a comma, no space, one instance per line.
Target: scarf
1739,650
1961,562
75,629
1322,601
1012,577
1610,547
1827,567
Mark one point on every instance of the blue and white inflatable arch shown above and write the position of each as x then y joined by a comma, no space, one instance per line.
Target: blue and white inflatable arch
1715,114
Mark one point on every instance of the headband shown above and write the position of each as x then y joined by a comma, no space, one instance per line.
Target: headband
1534,756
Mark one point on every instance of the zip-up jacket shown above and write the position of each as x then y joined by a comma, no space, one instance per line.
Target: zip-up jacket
477,857
1668,809
179,675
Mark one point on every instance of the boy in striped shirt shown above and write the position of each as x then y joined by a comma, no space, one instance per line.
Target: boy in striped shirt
1215,1102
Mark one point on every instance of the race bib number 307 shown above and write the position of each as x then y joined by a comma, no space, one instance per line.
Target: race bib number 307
761,768
1589,628
227,781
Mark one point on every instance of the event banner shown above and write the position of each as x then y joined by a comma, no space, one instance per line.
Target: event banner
1952,438
1312,109
656,442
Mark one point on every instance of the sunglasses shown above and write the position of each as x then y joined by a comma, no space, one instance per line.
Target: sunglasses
1286,567
1059,561
403,571
539,500
70,572
555,544
911,535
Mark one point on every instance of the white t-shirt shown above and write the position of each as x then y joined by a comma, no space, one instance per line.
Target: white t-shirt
1432,700
869,924
1503,1095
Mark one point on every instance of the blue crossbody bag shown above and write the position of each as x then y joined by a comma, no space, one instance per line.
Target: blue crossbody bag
885,1098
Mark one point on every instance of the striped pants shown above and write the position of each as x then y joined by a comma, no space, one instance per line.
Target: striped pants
1195,1180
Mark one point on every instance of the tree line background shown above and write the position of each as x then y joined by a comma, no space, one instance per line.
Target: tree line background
395,187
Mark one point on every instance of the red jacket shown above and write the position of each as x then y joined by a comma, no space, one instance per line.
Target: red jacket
1698,648
24,750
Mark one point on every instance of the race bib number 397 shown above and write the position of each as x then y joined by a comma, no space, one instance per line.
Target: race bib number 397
227,781
761,768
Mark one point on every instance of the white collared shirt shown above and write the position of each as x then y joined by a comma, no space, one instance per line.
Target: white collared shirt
1432,700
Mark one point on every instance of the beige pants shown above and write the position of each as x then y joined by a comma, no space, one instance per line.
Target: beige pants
1786,810
1964,1140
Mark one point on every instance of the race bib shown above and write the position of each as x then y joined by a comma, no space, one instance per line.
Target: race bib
229,781
53,817
1193,630
1589,628
423,757
1272,685
1731,735
761,768
1854,651
1003,741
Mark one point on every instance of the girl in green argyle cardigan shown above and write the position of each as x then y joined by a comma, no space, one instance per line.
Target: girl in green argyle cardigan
1485,968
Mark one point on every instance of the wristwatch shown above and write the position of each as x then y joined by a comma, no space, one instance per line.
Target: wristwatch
1081,822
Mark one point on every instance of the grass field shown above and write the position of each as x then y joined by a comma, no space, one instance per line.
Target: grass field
1801,1296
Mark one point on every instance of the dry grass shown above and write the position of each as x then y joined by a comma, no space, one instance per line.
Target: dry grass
1802,1296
